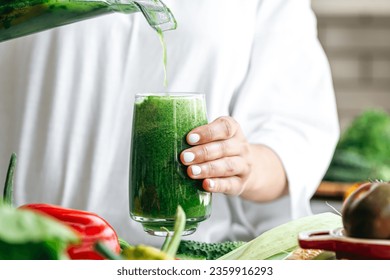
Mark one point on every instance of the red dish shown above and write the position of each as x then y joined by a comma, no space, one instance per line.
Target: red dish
345,247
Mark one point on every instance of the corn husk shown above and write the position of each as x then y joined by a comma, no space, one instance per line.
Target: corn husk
279,242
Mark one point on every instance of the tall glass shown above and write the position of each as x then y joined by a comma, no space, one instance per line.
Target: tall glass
158,180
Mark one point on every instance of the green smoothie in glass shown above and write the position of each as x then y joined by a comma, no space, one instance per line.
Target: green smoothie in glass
158,180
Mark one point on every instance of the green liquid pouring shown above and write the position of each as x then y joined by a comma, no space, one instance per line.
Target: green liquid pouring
164,55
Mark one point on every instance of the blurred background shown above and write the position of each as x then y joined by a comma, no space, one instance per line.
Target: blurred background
356,37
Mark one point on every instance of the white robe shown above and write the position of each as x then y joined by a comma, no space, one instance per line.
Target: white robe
66,104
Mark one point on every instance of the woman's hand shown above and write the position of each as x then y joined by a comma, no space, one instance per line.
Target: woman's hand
222,156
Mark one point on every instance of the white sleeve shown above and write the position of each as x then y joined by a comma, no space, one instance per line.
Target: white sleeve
287,100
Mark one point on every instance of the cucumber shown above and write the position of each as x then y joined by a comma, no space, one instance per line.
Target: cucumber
339,174
349,166
350,159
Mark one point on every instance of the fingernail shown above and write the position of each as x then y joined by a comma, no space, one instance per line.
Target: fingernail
196,170
211,184
193,138
188,156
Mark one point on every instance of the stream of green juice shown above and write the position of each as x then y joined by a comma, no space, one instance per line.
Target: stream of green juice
164,56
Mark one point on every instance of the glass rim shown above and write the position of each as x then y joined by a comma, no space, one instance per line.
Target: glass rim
170,94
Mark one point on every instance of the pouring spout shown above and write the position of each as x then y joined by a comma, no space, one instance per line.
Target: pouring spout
158,15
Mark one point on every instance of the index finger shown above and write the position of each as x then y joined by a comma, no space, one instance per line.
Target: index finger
220,129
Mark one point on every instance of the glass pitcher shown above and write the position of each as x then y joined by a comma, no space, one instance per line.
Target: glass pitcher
23,17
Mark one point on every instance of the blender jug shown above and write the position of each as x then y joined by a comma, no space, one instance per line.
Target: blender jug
23,17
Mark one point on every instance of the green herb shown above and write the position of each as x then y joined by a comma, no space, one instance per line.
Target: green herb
26,235
369,135
363,151
9,181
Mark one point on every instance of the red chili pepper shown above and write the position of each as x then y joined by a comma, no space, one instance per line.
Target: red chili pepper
91,227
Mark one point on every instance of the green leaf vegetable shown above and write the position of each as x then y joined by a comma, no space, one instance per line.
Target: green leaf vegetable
369,135
363,151
27,235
